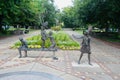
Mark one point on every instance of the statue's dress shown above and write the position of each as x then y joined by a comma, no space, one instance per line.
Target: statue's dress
85,46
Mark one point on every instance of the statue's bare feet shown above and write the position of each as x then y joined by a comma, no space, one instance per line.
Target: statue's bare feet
42,48
25,55
90,64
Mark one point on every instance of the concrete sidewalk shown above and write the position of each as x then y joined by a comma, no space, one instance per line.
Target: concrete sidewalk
105,63
6,42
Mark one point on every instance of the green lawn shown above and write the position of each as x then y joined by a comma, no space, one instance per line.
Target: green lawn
112,38
79,31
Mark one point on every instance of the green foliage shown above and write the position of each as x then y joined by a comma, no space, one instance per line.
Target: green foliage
80,31
110,38
68,17
62,40
26,12
18,43
56,28
103,14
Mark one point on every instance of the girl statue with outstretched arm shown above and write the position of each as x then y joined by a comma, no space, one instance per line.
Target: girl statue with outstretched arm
85,47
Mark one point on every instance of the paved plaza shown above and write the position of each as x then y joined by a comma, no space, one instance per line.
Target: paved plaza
39,65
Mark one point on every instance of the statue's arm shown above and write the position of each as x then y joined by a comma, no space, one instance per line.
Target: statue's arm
77,36
46,35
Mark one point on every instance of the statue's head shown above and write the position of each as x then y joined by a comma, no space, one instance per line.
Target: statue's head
20,38
45,25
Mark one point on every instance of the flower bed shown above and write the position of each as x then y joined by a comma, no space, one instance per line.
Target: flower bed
62,40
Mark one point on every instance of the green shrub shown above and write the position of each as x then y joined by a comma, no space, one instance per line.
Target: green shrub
18,43
56,28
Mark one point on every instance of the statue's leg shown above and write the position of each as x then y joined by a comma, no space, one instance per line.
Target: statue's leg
80,58
52,46
54,57
20,53
25,53
89,62
43,43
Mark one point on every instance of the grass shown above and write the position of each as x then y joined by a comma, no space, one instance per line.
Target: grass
79,31
110,36
110,39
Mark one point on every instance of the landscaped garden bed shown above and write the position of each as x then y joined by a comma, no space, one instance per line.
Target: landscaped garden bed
62,40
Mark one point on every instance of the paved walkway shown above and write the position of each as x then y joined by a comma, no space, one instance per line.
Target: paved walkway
6,42
105,60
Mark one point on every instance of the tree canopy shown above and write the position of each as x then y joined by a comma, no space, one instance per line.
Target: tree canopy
26,12
99,13
103,14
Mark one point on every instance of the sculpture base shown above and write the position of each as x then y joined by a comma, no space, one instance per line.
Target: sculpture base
41,49
55,58
75,64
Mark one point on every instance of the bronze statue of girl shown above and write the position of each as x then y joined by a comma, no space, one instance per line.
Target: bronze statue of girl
85,48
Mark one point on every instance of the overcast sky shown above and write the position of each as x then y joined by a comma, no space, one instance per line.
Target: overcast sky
62,3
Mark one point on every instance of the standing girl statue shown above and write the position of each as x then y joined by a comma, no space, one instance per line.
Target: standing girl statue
85,48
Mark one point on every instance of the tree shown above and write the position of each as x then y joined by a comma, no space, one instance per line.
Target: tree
102,13
68,17
26,12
